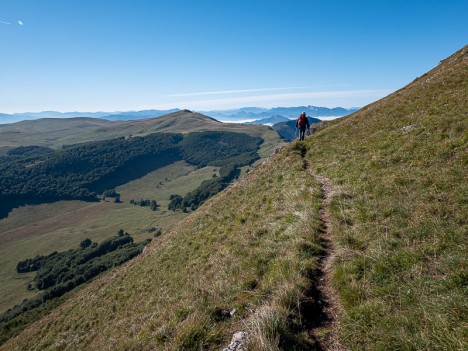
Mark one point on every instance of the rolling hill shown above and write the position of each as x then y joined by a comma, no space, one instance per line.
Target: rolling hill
373,206
56,132
112,116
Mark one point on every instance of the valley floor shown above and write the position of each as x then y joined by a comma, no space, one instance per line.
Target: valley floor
40,229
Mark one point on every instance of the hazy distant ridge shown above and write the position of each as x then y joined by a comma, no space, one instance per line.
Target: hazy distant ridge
234,115
112,116
255,113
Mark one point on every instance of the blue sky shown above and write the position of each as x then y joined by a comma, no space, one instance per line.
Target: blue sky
104,55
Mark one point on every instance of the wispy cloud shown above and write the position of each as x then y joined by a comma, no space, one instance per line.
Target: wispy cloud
233,91
321,98
291,96
19,22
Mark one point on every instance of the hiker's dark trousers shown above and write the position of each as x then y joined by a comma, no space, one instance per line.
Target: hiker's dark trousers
302,131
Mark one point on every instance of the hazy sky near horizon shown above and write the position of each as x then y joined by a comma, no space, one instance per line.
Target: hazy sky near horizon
109,55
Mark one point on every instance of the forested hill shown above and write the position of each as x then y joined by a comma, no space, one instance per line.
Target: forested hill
38,174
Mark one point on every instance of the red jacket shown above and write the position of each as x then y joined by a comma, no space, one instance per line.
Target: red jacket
302,122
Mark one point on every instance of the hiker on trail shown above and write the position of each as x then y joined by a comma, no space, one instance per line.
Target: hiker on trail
302,123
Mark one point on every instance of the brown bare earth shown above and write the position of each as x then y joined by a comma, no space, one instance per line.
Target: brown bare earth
326,333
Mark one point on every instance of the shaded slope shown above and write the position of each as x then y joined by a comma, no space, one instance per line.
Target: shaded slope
249,250
399,220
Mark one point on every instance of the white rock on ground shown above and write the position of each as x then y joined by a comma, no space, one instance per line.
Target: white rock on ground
238,342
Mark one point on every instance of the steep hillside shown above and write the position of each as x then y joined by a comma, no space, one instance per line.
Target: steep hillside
399,215
394,180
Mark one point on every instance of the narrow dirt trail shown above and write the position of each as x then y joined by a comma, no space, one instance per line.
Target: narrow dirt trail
322,311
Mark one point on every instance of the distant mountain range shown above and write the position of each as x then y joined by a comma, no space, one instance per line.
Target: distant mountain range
270,120
244,114
111,116
255,113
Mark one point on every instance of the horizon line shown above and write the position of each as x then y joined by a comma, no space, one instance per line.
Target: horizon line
174,108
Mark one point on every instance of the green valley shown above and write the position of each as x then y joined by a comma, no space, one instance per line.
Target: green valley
60,224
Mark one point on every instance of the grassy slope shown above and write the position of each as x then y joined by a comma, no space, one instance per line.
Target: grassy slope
400,215
49,131
248,248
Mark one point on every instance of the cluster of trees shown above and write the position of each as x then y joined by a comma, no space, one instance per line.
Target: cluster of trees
61,272
145,202
156,232
208,188
176,202
57,270
35,174
110,193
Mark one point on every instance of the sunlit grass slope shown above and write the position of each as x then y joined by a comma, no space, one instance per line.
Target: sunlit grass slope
250,248
400,215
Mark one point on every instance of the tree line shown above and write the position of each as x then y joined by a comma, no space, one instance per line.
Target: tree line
60,272
36,174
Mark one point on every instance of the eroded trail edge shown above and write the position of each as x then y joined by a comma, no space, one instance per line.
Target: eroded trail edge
322,311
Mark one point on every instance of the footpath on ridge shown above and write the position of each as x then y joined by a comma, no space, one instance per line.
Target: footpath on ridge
321,310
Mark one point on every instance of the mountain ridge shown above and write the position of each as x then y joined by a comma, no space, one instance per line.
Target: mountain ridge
229,115
66,131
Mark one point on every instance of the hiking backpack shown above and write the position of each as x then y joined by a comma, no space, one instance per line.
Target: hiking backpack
302,121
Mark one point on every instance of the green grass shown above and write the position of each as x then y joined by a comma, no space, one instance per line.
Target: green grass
248,248
399,218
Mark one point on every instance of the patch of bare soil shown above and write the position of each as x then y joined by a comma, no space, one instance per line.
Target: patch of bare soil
321,311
